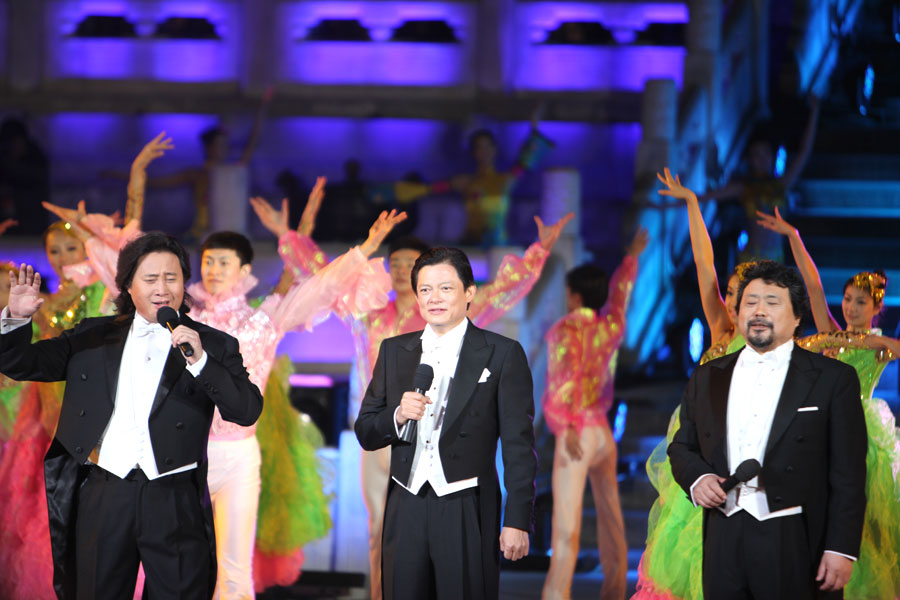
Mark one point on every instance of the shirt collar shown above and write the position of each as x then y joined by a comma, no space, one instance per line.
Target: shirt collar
780,356
431,341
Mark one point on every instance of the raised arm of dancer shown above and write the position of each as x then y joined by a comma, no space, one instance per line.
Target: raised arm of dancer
6,224
714,310
795,167
825,322
350,284
566,399
516,276
534,148
137,182
253,142
297,248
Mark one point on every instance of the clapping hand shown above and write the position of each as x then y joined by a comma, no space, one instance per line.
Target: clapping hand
311,211
548,234
24,292
774,222
379,230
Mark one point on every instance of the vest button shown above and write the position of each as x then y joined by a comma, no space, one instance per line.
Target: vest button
789,469
169,461
84,376
81,413
179,425
78,450
800,438
778,499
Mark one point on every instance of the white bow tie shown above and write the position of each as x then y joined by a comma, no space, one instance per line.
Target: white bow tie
144,329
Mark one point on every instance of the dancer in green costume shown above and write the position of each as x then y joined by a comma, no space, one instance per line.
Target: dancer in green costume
876,573
670,567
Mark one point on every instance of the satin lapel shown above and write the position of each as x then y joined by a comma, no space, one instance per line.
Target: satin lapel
113,347
719,388
175,365
473,357
797,384
408,357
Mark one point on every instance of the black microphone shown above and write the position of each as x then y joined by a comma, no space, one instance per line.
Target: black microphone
421,382
167,317
745,471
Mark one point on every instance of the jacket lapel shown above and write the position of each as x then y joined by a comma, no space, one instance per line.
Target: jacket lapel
719,388
113,347
797,384
174,367
473,358
408,358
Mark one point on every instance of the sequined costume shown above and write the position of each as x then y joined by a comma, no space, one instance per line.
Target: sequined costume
670,567
27,572
876,573
514,280
581,349
486,193
278,556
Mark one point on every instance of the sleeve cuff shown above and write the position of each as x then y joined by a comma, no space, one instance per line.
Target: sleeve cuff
9,324
853,558
197,367
694,502
397,428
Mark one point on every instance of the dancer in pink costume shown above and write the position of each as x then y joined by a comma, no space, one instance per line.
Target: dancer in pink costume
514,280
220,301
581,350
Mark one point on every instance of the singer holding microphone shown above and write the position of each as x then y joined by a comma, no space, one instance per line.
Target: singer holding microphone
126,472
442,530
793,531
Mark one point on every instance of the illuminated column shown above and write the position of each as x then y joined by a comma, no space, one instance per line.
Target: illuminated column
494,44
659,112
703,40
228,192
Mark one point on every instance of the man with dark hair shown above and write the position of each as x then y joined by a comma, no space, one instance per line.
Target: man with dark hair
513,280
126,472
442,535
800,520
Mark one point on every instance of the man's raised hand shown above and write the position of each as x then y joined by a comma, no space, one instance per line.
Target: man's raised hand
24,292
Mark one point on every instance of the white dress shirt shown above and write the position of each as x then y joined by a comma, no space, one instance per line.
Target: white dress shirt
442,353
126,443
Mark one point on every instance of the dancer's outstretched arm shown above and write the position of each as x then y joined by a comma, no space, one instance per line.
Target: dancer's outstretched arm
297,249
137,182
821,314
717,317
516,276
253,142
350,284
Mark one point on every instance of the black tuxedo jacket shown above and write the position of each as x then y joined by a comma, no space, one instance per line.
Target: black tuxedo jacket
477,415
814,458
87,358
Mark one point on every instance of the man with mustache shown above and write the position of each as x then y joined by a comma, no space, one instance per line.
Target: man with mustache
794,530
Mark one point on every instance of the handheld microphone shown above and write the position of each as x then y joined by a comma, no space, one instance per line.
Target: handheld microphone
167,317
745,471
421,382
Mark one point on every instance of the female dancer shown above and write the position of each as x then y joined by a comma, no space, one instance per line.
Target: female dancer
669,568
514,280
875,574
581,350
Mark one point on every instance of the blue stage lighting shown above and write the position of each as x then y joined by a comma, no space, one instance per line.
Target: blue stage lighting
695,339
780,161
619,422
742,240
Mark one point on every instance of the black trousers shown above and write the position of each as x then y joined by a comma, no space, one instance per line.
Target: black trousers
432,547
746,559
124,522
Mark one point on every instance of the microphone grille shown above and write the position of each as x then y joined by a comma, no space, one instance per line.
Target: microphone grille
423,377
747,470
167,316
